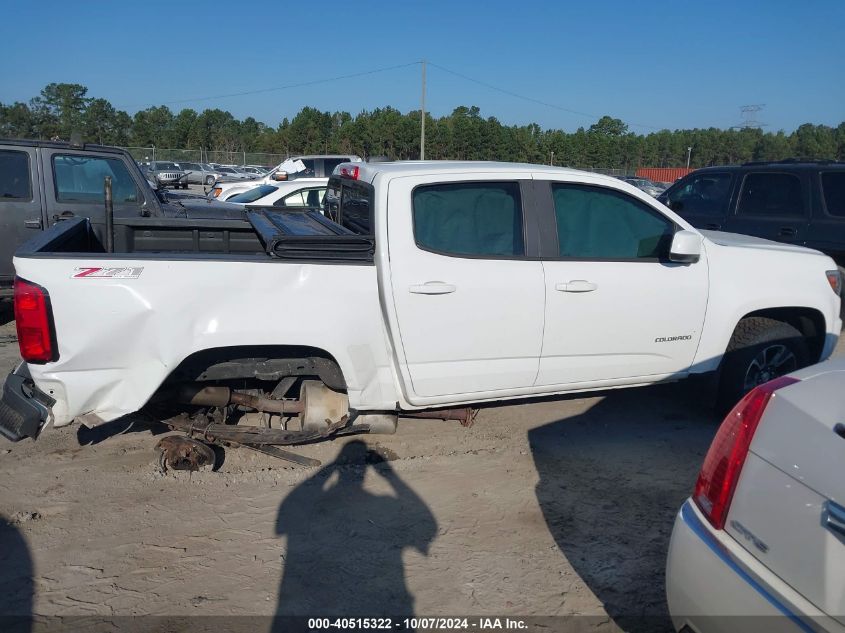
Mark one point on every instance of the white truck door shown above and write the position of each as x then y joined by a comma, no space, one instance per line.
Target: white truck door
468,302
616,308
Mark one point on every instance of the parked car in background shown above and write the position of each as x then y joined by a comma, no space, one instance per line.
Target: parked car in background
300,193
228,173
314,167
43,183
255,172
797,202
644,184
199,173
763,534
166,174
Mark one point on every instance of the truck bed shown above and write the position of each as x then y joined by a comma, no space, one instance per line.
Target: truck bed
266,234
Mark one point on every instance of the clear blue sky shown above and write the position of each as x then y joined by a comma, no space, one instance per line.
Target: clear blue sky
658,63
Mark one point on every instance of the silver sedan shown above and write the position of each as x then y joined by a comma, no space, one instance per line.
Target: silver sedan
760,545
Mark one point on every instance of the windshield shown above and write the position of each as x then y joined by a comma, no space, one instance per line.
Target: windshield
253,194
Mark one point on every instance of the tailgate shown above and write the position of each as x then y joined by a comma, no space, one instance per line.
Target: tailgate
792,488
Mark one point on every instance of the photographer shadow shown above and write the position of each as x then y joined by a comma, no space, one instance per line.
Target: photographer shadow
344,544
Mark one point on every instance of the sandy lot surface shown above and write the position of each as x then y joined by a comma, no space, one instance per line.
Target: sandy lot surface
543,508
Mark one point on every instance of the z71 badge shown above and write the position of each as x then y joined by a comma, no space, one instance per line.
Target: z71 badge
95,272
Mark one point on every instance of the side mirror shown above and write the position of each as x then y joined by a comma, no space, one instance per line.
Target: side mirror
280,175
686,247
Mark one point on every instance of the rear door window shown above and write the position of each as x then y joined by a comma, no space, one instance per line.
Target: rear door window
15,182
309,172
833,190
705,194
768,193
469,219
81,179
330,163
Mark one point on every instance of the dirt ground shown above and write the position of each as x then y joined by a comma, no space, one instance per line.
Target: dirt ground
554,507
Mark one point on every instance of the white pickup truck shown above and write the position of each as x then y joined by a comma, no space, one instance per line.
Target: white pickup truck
433,285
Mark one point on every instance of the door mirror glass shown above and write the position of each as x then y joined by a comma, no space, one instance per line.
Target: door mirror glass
686,247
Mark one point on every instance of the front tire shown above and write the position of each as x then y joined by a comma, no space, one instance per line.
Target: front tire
760,349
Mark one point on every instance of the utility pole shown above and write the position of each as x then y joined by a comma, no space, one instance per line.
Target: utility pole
689,153
422,112
551,158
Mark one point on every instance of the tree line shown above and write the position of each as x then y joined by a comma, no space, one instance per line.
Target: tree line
62,109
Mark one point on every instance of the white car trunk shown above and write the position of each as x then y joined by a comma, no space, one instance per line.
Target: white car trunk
792,481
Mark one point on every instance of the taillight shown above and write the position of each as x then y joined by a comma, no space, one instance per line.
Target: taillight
834,278
34,322
350,172
723,464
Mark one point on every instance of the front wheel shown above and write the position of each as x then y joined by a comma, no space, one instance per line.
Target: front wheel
760,349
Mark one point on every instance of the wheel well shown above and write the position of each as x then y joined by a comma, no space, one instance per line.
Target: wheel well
261,362
808,321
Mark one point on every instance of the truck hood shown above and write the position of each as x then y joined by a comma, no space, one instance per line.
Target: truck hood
747,241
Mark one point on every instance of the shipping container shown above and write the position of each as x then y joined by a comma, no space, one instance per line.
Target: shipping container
663,174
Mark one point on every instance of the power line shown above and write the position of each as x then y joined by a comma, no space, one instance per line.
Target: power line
285,87
532,100
749,117
385,69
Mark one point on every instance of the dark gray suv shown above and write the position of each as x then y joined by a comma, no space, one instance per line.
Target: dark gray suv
798,202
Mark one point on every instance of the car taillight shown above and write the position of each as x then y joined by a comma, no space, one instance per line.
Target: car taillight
834,278
34,322
349,172
723,464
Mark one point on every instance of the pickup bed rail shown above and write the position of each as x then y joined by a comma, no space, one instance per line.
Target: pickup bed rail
267,236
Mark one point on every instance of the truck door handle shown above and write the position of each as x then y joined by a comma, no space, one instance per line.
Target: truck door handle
577,285
787,231
833,517
433,288
32,224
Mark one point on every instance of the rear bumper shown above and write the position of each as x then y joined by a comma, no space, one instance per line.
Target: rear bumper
24,408
713,585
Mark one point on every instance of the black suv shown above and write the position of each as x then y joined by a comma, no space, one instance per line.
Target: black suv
788,201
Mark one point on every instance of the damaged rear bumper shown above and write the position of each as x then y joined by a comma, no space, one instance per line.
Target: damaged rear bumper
24,408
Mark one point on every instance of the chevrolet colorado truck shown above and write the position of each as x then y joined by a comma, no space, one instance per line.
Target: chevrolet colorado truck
425,286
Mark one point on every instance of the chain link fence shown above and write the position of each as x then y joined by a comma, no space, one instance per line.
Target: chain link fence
146,154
